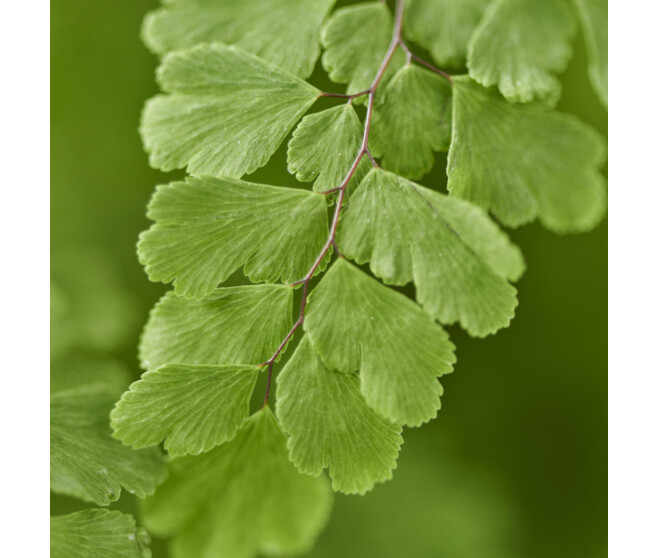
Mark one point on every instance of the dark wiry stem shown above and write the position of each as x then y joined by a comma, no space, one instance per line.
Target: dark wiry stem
396,41
412,56
345,95
372,159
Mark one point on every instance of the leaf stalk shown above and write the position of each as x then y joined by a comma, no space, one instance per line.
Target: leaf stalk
396,42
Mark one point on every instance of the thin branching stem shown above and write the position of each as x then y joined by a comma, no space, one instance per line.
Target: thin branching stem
345,95
372,159
396,41
412,56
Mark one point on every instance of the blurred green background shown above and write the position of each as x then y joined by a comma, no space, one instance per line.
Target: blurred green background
515,464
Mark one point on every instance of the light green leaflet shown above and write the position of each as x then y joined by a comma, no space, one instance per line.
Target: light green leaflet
85,461
234,325
519,45
355,40
285,32
594,22
192,408
356,323
457,257
324,146
443,27
226,111
97,534
331,426
242,498
207,228
491,164
412,122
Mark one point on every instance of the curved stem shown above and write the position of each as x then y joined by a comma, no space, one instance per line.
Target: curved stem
412,56
345,95
372,159
396,42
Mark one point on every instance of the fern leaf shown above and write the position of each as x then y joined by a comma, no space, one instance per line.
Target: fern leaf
443,27
519,45
355,39
85,461
285,32
331,426
192,408
356,323
226,111
242,498
490,163
97,534
593,16
207,228
324,146
457,258
412,122
235,325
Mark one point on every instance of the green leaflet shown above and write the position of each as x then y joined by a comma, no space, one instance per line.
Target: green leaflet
242,498
356,323
226,113
443,27
355,40
519,45
97,534
192,408
457,257
522,163
207,228
235,325
324,146
331,426
85,461
593,16
285,32
413,121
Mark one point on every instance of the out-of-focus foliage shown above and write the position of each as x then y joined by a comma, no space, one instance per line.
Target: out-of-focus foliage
594,20
91,315
97,534
242,498
85,462
89,308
